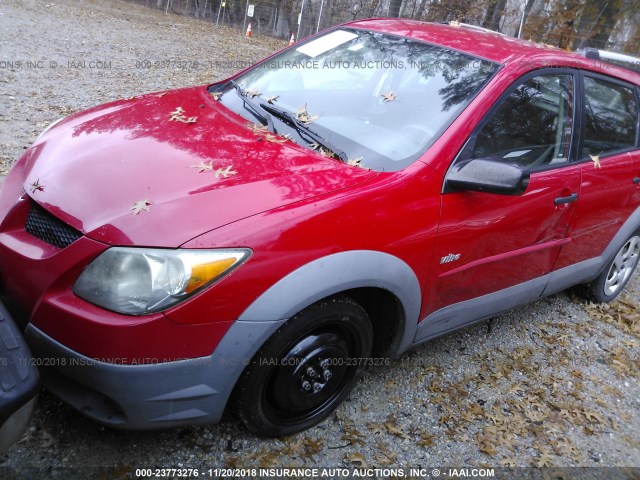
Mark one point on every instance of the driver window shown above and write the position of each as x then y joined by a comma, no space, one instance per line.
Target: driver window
532,127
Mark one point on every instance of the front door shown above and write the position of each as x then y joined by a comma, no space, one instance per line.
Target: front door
490,242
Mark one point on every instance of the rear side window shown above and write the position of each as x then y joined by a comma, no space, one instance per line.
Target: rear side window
610,117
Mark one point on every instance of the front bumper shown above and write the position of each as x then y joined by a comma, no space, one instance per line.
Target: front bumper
150,396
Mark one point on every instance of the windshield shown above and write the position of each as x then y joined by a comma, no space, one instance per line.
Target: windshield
380,100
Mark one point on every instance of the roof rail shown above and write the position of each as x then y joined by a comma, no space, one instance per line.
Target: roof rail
453,23
619,59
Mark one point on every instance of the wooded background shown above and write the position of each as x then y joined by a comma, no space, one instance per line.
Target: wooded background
569,24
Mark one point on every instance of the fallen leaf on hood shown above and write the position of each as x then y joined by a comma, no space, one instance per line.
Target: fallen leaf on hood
141,205
216,95
37,187
178,116
203,167
225,172
257,129
276,138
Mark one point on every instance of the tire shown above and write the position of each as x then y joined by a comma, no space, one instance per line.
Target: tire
306,369
618,272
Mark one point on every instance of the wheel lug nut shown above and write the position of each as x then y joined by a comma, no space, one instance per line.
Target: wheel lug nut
317,387
311,372
306,385
327,374
324,363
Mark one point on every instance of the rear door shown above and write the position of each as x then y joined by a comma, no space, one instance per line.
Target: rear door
609,161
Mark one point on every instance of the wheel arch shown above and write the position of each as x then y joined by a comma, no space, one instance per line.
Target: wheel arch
628,229
383,284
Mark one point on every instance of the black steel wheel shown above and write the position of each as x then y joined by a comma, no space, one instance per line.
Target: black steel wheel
306,369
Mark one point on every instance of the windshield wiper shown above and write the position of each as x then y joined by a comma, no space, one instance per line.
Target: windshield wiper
303,129
252,106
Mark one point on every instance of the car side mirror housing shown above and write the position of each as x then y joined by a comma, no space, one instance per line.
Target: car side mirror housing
489,176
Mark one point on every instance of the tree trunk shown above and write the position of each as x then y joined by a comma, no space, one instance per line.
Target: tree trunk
495,13
394,8
527,10
421,7
604,26
596,23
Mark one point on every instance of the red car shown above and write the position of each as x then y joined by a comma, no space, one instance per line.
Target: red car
259,242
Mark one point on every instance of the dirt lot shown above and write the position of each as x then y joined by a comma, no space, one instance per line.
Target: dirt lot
553,383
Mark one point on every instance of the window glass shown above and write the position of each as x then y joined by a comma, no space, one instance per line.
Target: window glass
380,97
611,116
532,127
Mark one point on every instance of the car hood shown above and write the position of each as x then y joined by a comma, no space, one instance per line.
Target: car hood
185,173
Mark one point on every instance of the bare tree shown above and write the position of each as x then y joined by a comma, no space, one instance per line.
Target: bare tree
394,8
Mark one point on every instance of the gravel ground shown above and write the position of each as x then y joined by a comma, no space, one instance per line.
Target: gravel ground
554,383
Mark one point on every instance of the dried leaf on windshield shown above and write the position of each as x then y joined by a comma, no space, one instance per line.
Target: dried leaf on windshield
271,100
216,95
388,97
252,93
303,115
355,162
326,152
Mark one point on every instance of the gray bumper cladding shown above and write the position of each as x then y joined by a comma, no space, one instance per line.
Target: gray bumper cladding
186,392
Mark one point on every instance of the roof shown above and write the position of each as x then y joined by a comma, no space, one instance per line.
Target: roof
489,45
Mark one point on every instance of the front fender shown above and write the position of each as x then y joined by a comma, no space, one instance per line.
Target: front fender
337,273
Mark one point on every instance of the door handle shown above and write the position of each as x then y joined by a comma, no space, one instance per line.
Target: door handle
562,200
636,180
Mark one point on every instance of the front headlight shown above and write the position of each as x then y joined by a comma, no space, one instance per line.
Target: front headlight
137,281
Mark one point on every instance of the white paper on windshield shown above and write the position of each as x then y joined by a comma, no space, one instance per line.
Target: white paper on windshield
518,153
326,43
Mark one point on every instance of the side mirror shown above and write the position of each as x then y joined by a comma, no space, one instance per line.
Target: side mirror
481,175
